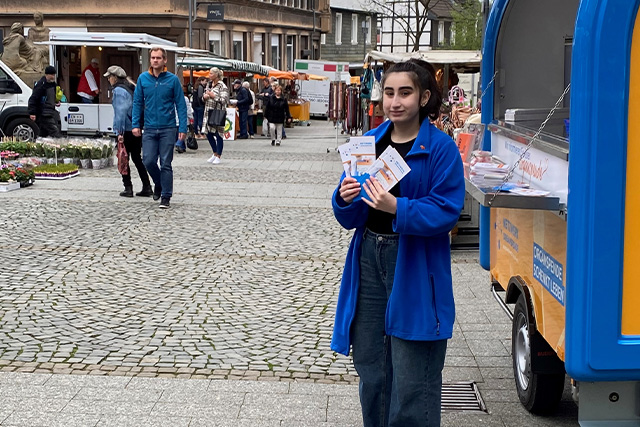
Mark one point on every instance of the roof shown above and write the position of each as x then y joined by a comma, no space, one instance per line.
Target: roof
440,9
355,5
460,59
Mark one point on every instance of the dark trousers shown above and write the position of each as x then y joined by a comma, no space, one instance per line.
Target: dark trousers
244,115
49,126
198,118
133,145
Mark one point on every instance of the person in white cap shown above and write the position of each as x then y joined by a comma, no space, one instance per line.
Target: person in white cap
89,86
122,100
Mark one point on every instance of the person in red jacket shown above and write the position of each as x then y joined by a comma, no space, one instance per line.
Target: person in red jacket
89,86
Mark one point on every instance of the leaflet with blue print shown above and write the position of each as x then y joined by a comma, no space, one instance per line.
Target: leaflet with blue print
358,155
389,168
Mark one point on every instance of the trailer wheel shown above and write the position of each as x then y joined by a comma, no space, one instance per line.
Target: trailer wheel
538,393
23,130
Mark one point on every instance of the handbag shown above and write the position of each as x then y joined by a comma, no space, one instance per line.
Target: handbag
123,158
192,143
217,118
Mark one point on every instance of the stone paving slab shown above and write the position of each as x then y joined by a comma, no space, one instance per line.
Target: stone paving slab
113,312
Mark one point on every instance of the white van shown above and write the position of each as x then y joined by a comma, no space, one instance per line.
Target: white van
14,99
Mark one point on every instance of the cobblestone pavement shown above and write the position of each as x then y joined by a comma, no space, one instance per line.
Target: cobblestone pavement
238,280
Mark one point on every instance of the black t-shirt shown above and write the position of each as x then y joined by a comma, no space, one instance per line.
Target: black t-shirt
378,221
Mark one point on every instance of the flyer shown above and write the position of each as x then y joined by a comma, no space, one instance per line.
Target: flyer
345,156
363,154
389,168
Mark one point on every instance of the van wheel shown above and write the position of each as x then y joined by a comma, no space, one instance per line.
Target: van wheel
538,393
23,130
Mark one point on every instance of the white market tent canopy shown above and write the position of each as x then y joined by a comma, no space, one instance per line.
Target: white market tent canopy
468,60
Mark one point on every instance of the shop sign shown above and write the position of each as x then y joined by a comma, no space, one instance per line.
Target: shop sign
215,13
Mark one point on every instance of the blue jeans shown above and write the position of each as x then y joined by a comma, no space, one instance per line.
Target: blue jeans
86,100
198,117
400,380
215,141
250,124
244,115
158,144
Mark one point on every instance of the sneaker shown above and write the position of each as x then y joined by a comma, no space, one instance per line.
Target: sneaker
273,142
164,203
251,136
216,160
157,191
212,158
180,150
278,143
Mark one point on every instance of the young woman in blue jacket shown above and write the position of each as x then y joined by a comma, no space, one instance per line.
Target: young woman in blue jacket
395,308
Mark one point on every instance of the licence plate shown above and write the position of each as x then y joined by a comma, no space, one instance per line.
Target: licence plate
75,119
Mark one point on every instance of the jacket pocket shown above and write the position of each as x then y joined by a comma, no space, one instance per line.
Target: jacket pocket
434,303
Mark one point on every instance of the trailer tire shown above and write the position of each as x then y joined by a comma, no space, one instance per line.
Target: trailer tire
23,129
538,393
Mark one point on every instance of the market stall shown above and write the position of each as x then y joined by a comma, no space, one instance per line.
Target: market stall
559,228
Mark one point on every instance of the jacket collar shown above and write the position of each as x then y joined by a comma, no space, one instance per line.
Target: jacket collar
422,144
164,70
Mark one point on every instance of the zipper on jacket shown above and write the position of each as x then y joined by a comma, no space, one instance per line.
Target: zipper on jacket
435,309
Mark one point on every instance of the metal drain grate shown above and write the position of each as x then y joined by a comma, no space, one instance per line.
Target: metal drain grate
463,396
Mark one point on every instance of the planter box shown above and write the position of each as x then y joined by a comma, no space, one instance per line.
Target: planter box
9,186
59,177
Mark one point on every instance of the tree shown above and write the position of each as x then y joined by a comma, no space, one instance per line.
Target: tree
411,15
467,25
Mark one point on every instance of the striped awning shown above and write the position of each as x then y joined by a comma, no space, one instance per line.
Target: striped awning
223,64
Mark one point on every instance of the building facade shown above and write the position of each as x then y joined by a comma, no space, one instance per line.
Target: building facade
352,34
269,32
406,26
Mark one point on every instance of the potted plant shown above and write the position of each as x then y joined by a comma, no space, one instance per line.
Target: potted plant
96,156
85,156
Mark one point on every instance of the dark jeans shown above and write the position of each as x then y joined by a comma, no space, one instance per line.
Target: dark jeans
400,380
250,119
133,145
158,144
86,100
198,117
215,141
244,115
49,126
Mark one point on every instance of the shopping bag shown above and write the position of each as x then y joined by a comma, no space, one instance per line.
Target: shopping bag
123,158
217,118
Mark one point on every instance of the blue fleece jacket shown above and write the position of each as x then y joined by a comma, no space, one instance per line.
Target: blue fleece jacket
160,97
421,306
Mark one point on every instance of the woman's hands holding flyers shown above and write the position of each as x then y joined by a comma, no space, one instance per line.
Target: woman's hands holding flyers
349,189
381,199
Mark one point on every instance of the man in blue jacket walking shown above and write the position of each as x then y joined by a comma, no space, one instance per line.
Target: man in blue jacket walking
244,102
159,95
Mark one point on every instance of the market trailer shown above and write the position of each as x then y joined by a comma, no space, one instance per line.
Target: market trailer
568,261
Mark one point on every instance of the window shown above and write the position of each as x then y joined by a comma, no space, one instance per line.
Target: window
258,51
367,38
215,43
323,38
304,4
338,29
440,33
275,51
290,50
238,46
354,29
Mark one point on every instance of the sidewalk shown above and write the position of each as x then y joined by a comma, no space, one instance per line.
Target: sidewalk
217,312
